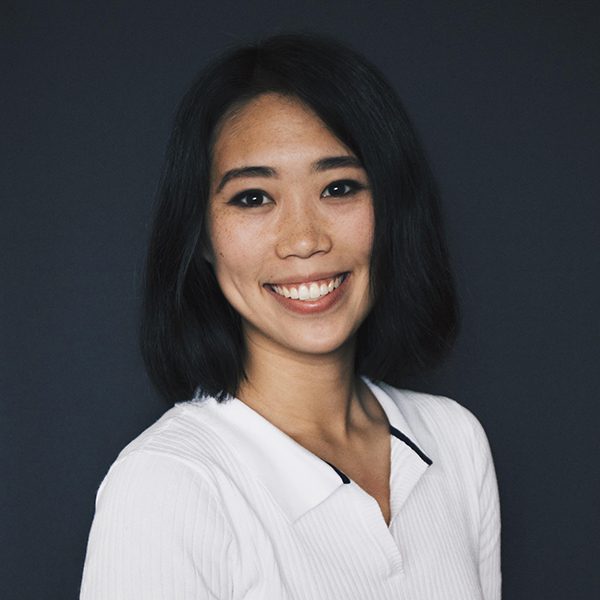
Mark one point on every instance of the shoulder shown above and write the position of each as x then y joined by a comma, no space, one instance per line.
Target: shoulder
180,445
435,411
443,427
159,513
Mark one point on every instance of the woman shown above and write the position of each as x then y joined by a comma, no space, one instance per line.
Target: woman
296,272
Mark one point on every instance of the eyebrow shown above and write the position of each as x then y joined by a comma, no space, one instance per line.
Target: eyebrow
323,164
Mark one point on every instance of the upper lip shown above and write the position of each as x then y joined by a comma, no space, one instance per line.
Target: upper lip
300,279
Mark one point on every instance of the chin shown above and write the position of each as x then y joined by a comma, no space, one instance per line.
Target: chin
304,337
317,344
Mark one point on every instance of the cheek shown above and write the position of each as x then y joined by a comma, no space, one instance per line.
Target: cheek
236,249
357,229
368,229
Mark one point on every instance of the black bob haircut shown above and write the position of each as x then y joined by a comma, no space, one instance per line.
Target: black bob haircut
190,336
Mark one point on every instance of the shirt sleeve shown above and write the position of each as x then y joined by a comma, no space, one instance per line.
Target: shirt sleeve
158,534
489,526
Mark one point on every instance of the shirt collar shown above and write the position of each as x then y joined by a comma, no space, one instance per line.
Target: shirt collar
296,478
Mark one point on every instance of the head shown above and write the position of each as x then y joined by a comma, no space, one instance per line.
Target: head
290,225
192,336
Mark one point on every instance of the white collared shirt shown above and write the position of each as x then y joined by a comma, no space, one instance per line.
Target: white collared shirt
214,501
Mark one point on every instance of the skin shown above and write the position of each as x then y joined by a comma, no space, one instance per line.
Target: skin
300,366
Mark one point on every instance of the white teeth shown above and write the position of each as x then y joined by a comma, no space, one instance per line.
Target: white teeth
303,292
308,291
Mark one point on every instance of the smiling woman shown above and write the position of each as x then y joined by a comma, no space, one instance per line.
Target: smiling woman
305,225
297,271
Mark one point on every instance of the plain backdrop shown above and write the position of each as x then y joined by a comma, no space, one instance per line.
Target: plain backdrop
505,96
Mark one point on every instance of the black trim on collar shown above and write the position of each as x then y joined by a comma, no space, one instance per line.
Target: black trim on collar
401,437
343,476
410,444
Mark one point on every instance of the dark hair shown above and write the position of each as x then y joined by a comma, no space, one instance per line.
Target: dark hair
190,336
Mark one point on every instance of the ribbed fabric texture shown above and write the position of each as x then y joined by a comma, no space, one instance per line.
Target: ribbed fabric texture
191,510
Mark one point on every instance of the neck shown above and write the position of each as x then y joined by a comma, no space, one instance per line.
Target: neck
307,395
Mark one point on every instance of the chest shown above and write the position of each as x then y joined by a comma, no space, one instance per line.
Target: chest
374,479
368,466
343,549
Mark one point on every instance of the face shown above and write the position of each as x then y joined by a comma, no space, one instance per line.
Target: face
290,221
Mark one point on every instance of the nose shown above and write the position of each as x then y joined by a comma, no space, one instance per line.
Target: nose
302,231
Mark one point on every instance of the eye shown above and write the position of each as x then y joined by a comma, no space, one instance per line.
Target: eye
250,198
344,187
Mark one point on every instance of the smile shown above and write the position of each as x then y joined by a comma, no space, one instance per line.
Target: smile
309,290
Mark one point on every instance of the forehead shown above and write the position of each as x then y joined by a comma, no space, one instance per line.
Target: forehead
270,127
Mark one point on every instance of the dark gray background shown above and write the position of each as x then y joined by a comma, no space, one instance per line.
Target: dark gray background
506,97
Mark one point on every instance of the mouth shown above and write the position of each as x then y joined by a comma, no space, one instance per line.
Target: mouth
308,291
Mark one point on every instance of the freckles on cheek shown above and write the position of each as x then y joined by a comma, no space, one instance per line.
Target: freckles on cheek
235,248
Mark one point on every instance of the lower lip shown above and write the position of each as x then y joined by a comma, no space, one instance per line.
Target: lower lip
309,307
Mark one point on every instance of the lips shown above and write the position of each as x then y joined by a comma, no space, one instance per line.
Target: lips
311,296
